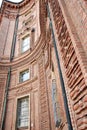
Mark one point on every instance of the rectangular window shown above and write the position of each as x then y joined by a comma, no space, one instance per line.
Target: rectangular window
24,75
25,44
23,112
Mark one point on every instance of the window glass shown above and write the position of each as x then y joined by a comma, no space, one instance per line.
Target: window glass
25,44
25,75
23,112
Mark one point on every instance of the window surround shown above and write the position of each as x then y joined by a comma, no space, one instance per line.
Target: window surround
22,36
21,69
22,112
16,108
22,75
34,69
29,33
25,42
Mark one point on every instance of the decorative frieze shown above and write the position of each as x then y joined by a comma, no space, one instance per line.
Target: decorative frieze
75,79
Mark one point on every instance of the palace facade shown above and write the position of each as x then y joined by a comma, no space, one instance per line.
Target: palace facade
43,65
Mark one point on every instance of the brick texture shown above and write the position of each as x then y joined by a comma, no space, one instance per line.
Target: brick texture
69,20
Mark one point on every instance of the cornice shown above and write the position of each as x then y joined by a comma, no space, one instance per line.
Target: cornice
20,85
10,9
28,57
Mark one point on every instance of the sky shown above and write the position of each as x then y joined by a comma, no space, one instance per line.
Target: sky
11,0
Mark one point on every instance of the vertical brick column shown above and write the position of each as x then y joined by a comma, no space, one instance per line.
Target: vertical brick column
43,16
4,27
32,37
44,114
3,78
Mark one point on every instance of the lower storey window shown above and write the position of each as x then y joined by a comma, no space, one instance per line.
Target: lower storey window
23,112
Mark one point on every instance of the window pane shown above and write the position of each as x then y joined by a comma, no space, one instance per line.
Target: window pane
23,112
25,44
26,40
25,48
25,75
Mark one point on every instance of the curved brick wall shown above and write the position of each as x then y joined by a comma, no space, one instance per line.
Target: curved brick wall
29,18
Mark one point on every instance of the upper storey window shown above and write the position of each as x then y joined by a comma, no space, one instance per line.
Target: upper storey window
24,75
25,44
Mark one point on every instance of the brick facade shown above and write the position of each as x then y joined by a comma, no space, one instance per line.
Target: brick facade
58,45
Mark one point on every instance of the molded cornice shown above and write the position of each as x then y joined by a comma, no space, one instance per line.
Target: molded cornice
28,57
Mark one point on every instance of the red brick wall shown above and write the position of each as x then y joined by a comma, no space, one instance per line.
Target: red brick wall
78,13
6,36
69,20
3,78
67,36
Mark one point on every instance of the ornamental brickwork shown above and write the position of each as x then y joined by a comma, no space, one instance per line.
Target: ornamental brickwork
56,61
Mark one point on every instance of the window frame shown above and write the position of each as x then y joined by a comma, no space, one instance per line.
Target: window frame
26,44
21,74
18,98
